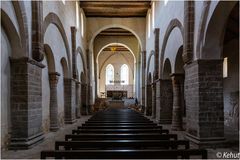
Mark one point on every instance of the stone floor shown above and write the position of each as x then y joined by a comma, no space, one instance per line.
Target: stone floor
47,144
51,137
213,153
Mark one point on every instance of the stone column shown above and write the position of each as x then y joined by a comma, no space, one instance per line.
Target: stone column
89,100
154,100
189,7
143,79
37,31
156,71
164,101
177,80
156,55
69,97
26,103
204,102
74,65
53,80
78,86
84,99
148,100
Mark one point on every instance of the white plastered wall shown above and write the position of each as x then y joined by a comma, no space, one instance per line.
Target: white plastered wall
5,88
117,60
66,13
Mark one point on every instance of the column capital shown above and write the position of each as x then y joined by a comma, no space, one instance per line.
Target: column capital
53,78
153,84
177,77
156,30
78,82
73,29
25,60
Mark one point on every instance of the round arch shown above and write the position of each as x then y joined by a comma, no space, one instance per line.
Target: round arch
50,58
214,35
52,18
119,44
148,64
178,66
111,26
20,11
79,50
149,78
173,23
83,77
66,73
167,70
202,27
12,35
101,67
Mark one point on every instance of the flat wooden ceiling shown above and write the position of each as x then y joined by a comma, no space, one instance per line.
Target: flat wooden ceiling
115,31
115,8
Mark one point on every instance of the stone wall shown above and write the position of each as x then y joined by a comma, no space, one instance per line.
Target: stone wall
26,103
69,100
164,101
204,101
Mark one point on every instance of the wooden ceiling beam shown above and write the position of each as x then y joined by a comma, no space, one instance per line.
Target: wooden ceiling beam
113,8
117,4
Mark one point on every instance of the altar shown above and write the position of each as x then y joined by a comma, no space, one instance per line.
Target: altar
118,91
117,95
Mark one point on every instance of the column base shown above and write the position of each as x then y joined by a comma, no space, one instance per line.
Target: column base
176,127
54,129
213,142
26,143
70,121
78,113
165,121
153,117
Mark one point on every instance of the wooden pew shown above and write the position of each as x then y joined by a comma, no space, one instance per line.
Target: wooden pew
160,131
117,124
123,144
120,127
121,134
119,121
126,154
146,136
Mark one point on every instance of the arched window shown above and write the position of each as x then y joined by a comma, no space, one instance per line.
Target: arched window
149,25
109,74
124,74
82,25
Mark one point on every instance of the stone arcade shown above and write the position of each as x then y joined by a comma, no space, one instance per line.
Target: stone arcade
175,62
